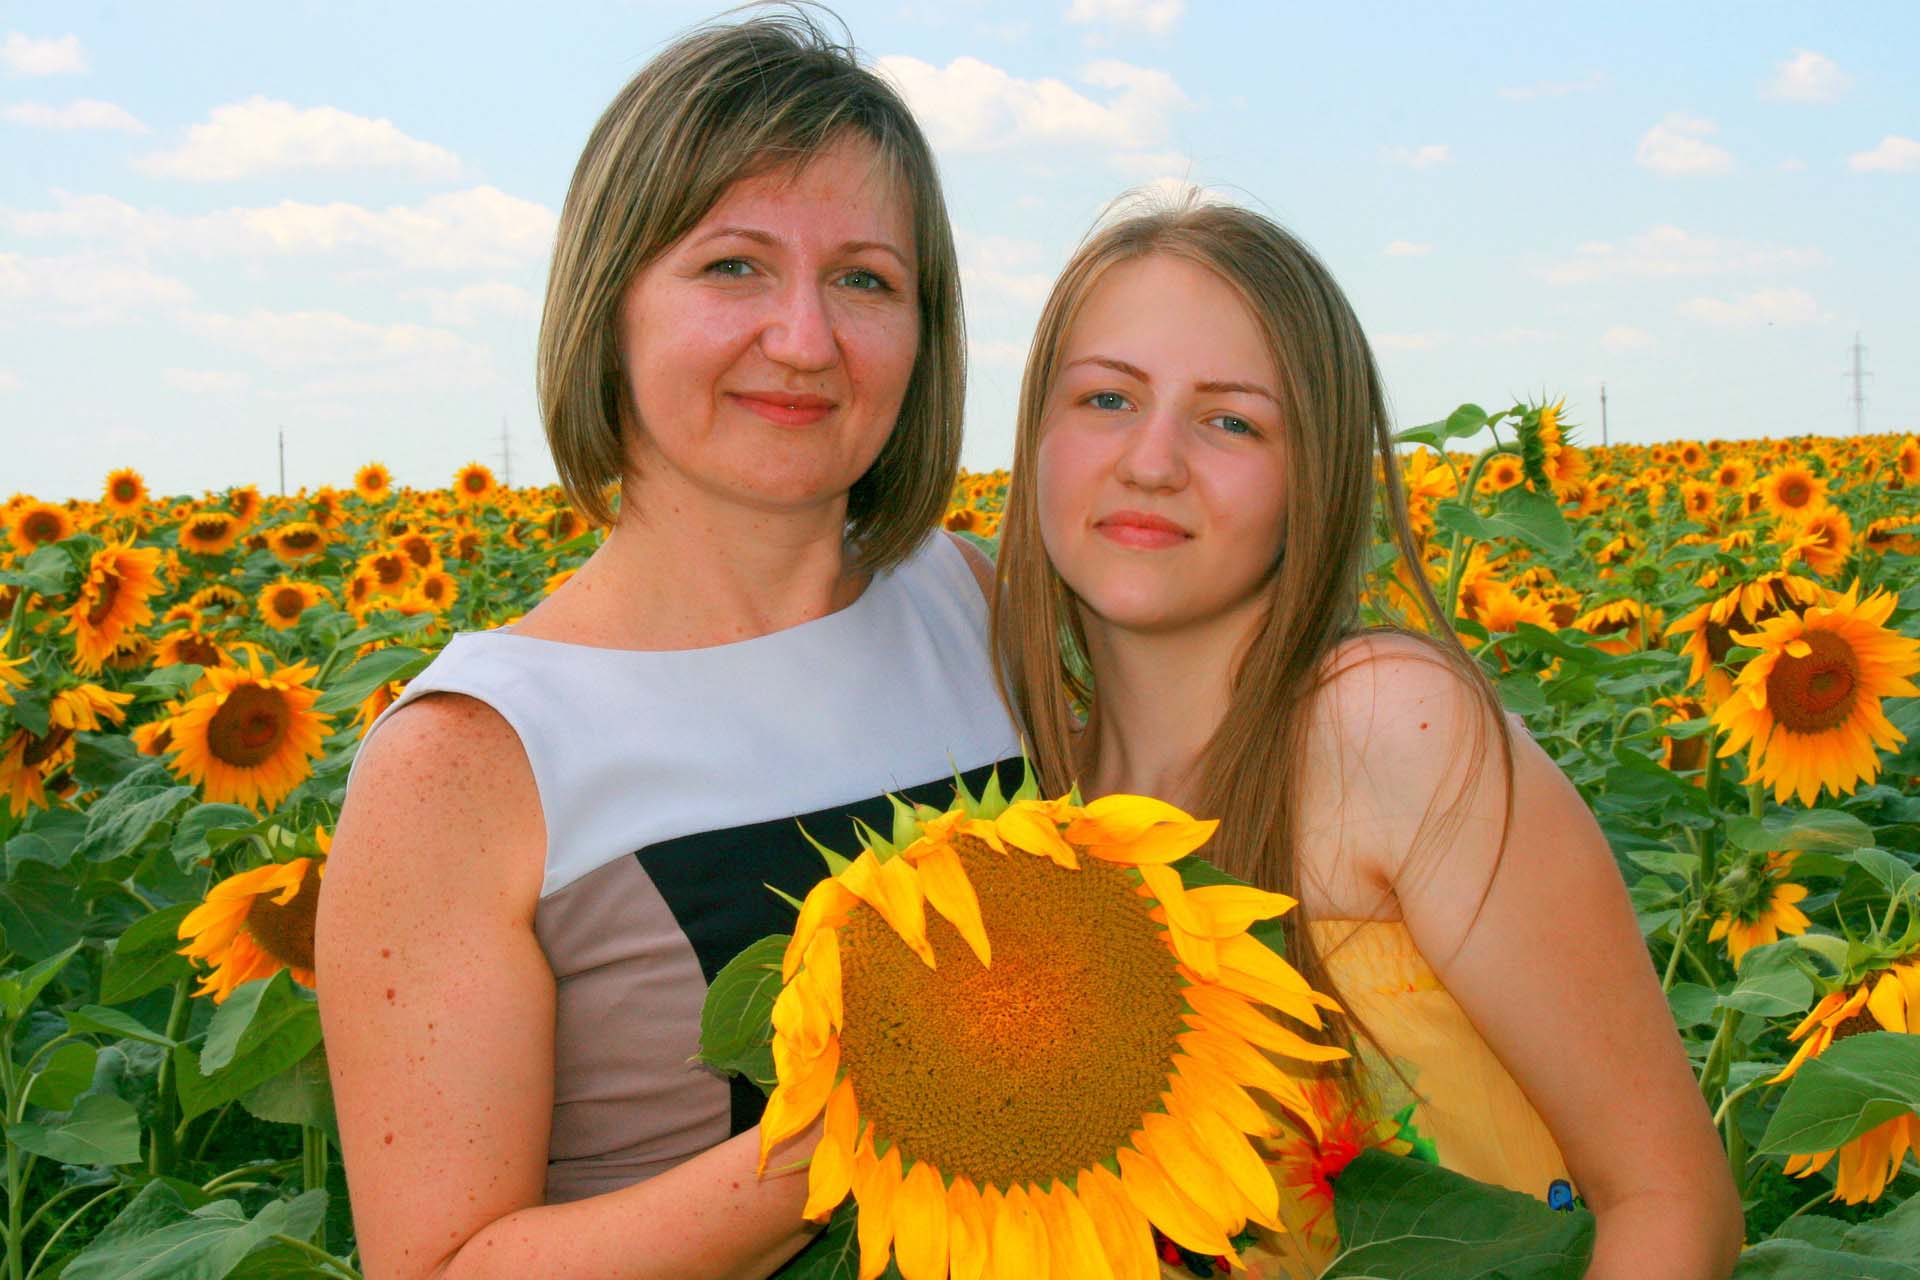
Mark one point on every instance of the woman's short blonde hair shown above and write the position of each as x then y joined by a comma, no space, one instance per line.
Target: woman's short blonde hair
719,104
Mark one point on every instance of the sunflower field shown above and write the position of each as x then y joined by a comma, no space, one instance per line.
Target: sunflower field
1717,641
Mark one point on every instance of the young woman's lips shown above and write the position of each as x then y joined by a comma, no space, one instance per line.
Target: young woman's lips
784,410
1139,529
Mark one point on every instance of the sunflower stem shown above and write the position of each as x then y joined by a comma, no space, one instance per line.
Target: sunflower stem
1679,949
313,1166
1736,1142
1460,543
16,624
1756,799
319,1255
1713,1072
163,1151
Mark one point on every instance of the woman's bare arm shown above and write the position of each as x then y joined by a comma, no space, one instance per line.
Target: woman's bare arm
438,1007
1549,965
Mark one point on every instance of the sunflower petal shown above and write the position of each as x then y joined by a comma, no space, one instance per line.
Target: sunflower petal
951,893
825,907
1030,826
1231,908
968,1244
797,1100
1172,1146
1019,1240
830,1174
875,1194
1233,1015
920,1225
1125,1234
1169,1208
893,889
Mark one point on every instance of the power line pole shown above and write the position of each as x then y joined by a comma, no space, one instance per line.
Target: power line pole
1603,415
283,462
1859,374
506,454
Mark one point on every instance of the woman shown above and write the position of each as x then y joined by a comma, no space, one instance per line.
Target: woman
1199,428
554,841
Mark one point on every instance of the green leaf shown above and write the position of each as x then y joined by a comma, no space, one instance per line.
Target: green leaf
736,1022
51,840
302,1096
1520,515
157,1238
49,571
1670,862
835,1252
368,674
1692,1004
64,1076
257,1014
41,916
1826,830
20,990
1466,421
1885,1248
102,1128
1521,694
119,822
146,957
206,829
1403,1219
113,1022
1892,872
1859,1082
1771,984
163,684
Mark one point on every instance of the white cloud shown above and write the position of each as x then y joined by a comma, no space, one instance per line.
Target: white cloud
296,339
204,382
1808,77
1407,249
986,354
86,289
481,228
1671,251
1005,269
261,135
1762,307
9,380
970,105
1678,145
1156,16
1434,153
1405,341
86,113
473,303
1552,88
26,56
1625,337
1895,154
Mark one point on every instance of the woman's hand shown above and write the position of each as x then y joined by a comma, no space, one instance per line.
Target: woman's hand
438,1006
1535,937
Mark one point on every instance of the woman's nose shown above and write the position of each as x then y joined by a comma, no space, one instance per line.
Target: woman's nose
799,333
1155,455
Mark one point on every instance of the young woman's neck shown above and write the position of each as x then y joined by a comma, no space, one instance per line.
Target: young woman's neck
1160,696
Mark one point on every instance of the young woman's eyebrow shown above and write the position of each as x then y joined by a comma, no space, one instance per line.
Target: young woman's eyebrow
1210,387
768,238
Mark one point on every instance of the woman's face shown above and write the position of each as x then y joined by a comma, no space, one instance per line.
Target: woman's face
1162,474
768,350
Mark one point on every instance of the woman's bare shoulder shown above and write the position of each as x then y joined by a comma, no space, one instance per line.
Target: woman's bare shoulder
1387,693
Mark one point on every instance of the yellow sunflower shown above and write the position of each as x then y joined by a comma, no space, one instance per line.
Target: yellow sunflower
373,482
1792,491
1820,540
1683,755
251,737
1502,472
1052,1060
255,924
1621,626
10,677
126,492
191,645
282,603
1698,499
473,484
1759,903
390,571
1897,534
297,540
1733,475
565,524
245,503
1887,1001
439,589
1906,463
1709,628
37,524
29,760
113,600
1807,708
209,533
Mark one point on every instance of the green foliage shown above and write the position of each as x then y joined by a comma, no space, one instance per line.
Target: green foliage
1405,1219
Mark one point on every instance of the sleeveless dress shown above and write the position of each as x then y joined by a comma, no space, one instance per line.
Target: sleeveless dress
670,784
1464,1111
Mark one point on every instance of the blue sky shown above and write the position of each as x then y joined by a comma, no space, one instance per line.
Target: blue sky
220,220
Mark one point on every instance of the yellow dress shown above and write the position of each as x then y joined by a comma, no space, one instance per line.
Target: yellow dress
1466,1110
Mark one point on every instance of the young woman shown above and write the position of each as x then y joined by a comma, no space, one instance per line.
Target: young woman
1200,430
554,841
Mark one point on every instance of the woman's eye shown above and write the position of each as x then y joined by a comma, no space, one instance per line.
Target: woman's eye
866,281
1111,400
1233,426
736,268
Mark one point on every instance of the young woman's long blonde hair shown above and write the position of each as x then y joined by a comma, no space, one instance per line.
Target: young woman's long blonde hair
1341,466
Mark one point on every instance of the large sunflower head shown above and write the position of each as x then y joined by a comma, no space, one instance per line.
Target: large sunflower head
297,540
282,603
1709,627
113,601
1807,707
37,524
251,737
390,570
1821,540
473,484
254,924
245,503
1792,491
209,533
125,493
373,482
1056,1057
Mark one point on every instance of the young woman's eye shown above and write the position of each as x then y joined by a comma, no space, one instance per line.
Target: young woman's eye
866,281
1109,400
1234,426
733,268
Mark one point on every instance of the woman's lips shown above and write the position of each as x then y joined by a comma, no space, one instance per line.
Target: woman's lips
1141,529
783,410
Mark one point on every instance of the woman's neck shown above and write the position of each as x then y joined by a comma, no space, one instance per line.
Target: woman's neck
1161,696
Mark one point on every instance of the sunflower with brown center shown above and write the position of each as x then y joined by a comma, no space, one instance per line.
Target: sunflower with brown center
37,524
1820,540
113,600
1758,903
190,645
1885,1001
1052,1061
373,482
1709,628
1792,491
1621,626
251,737
473,484
281,603
29,761
255,924
297,540
125,493
1807,707
208,533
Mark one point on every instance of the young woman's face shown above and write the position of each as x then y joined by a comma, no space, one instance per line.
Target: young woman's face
1162,475
769,349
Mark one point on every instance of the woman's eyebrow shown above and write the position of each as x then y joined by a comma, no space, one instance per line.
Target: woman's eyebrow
768,238
1133,371
1245,388
1210,387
